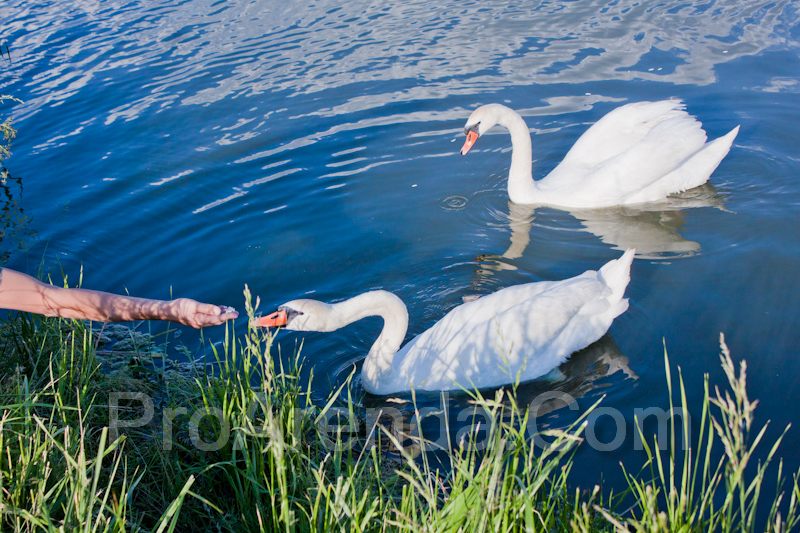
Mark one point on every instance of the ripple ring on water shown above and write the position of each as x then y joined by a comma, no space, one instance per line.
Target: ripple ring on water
454,203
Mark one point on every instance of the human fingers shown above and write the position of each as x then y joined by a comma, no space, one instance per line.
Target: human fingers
208,309
217,316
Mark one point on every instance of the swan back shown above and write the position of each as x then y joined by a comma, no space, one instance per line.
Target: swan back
516,334
640,152
623,128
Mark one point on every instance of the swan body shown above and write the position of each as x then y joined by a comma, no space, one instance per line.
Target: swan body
637,153
515,334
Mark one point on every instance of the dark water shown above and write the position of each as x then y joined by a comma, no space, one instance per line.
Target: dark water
311,150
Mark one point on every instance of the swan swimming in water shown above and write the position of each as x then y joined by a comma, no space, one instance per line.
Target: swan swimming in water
513,335
637,153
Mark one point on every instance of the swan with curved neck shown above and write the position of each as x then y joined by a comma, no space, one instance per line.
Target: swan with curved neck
637,153
516,334
313,315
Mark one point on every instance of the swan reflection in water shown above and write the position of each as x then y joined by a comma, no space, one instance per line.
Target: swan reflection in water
585,371
653,228
582,373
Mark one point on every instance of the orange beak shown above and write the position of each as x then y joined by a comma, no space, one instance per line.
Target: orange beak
275,320
472,136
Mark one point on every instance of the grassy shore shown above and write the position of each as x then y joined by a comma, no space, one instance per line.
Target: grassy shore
100,433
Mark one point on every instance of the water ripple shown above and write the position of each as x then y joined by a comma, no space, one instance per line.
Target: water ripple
313,149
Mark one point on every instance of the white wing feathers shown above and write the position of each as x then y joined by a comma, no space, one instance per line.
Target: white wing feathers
520,332
639,152
620,130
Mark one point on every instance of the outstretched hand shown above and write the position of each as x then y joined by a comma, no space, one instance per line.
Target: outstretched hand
199,315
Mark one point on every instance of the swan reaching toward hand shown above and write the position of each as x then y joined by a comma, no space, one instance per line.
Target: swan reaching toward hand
637,153
513,335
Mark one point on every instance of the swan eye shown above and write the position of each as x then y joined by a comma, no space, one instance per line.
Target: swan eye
290,313
474,128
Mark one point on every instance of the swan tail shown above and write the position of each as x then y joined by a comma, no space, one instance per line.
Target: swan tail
616,274
699,167
715,151
693,172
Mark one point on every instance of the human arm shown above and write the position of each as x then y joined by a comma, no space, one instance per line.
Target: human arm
24,293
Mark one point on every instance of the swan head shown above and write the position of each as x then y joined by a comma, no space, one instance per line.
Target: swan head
300,315
480,121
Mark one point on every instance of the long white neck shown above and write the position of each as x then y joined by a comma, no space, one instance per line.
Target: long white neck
395,324
521,187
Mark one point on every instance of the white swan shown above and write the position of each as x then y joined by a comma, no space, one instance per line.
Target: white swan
640,152
515,334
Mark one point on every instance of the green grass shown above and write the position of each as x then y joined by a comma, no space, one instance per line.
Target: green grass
63,468
7,131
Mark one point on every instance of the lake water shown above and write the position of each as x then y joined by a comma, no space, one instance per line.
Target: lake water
312,150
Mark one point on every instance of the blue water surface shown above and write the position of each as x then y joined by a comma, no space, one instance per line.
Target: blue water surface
311,149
